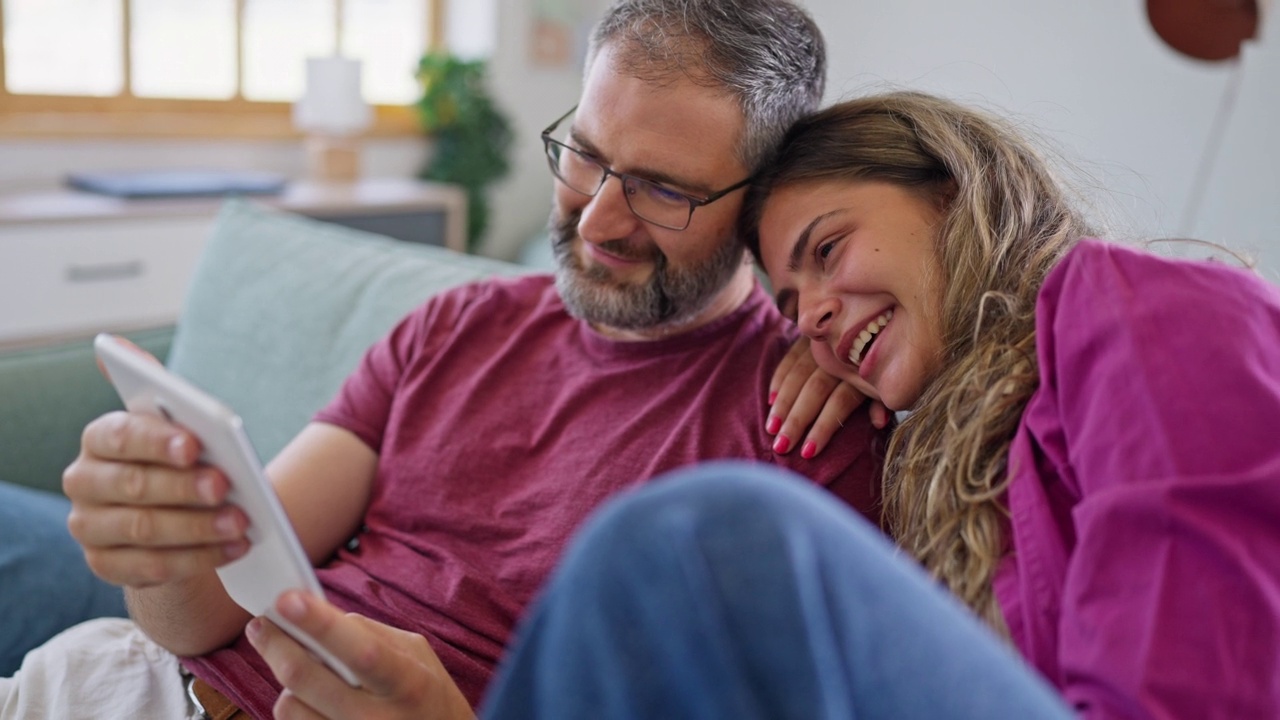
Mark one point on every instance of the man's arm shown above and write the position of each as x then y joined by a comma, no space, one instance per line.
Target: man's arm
151,520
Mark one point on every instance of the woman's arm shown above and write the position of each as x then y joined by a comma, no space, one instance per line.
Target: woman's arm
1167,382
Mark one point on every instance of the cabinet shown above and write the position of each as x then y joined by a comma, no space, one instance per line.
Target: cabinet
74,263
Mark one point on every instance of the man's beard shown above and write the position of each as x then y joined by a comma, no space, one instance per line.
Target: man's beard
670,296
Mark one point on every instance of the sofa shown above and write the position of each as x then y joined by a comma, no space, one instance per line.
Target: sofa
279,311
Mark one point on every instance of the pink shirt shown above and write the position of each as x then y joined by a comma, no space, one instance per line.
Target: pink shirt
1145,492
500,422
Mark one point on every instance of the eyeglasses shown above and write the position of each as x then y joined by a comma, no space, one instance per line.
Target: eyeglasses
647,199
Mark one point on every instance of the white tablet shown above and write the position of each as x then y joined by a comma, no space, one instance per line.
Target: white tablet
275,561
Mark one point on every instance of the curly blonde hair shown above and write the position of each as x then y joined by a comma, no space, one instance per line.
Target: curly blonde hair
1007,221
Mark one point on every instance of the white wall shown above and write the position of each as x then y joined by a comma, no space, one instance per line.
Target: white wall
1093,78
38,164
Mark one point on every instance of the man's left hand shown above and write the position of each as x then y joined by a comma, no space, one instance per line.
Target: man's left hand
400,675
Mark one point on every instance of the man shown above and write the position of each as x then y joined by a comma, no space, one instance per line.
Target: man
476,436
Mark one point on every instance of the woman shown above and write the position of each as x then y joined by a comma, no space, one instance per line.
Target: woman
1087,467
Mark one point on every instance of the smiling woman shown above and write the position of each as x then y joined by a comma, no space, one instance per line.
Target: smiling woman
854,265
222,67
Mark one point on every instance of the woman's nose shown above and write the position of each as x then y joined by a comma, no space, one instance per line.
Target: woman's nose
815,318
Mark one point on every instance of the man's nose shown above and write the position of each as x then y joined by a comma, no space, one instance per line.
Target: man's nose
607,215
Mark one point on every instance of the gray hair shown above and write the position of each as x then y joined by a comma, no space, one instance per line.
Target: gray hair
768,54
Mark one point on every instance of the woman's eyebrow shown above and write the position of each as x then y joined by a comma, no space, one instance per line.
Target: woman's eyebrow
802,242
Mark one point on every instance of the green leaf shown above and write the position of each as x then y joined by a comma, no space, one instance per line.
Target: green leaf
472,136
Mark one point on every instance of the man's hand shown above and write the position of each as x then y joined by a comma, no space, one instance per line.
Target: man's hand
400,675
802,395
144,511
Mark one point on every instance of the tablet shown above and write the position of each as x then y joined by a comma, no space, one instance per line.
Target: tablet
275,561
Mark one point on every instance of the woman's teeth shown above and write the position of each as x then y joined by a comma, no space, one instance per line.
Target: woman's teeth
862,343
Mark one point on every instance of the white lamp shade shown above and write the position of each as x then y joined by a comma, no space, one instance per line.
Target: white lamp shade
332,103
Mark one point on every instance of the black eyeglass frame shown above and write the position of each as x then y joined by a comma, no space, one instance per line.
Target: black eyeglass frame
694,202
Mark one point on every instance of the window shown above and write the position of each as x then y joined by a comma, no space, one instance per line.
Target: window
199,67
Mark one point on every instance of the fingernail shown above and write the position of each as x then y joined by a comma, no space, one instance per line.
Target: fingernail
204,488
781,445
227,524
292,606
177,448
773,425
253,631
235,550
773,395
809,450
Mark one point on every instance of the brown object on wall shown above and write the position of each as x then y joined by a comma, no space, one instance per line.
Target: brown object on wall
1204,29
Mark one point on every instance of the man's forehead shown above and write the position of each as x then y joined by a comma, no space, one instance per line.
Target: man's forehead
631,121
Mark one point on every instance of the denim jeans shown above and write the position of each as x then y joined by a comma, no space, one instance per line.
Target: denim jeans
45,585
739,591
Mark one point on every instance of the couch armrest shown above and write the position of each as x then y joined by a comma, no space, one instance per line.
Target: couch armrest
50,392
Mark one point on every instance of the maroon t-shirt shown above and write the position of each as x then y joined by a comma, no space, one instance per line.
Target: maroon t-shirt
500,422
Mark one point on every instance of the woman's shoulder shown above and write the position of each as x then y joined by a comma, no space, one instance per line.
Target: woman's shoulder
1102,273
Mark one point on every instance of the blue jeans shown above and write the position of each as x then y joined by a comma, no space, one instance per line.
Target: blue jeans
739,591
45,585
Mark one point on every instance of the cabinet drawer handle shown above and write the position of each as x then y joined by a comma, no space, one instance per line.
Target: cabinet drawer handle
105,271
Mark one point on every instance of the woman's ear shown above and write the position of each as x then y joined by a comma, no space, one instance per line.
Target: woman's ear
944,194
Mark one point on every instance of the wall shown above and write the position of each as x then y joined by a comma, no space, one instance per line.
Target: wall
41,164
1094,80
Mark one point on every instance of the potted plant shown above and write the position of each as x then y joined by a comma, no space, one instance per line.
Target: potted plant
471,134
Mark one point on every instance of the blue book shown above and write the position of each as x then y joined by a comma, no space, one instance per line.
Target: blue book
177,183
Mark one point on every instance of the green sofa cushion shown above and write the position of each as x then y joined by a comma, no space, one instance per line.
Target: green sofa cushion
49,393
281,308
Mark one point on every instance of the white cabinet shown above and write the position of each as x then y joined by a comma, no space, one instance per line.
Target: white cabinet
73,264
60,279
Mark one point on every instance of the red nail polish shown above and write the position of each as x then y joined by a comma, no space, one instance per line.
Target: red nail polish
809,450
773,396
773,425
781,445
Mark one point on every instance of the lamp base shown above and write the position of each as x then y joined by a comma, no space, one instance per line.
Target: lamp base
333,159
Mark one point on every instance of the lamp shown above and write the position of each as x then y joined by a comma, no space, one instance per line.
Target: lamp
332,113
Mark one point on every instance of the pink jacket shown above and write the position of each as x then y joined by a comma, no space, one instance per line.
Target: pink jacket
1145,492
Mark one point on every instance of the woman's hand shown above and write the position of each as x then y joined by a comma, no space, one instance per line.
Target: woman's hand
802,395
400,675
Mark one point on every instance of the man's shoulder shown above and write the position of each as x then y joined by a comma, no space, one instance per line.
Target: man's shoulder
512,287
501,291
774,333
